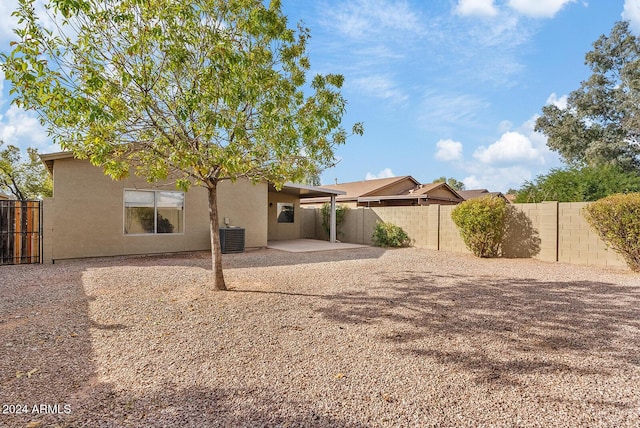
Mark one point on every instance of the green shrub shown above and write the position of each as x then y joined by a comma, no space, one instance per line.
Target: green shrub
390,235
341,212
616,219
482,224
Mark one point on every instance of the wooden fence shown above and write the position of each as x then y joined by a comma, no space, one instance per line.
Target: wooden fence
20,232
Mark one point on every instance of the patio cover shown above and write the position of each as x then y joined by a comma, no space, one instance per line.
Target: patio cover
303,192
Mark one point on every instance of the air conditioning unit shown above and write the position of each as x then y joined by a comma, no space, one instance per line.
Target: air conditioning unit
232,240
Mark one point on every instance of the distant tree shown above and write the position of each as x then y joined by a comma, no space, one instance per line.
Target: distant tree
601,123
311,178
455,184
579,184
201,91
24,179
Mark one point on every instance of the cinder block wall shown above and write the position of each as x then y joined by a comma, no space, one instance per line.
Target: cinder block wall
578,243
551,231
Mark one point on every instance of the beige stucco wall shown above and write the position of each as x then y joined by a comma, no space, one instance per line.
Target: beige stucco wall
282,231
85,216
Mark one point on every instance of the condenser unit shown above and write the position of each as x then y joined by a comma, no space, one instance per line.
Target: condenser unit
232,240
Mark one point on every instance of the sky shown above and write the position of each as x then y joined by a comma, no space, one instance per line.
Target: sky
444,87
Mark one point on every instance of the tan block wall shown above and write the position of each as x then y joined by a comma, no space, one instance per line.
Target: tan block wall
550,231
543,226
578,243
85,216
450,239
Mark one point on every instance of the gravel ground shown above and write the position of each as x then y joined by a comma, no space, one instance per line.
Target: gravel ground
352,338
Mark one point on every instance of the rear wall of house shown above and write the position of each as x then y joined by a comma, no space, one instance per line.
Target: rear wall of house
85,217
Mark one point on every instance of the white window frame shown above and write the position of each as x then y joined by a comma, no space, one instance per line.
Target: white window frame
155,212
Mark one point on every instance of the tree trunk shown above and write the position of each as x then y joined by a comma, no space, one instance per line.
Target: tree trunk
216,251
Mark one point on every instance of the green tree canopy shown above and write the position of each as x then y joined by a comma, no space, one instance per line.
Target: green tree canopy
601,123
200,91
579,184
455,184
24,179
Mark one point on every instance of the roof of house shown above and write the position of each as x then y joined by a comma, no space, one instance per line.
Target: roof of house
479,193
299,190
48,158
3,196
385,189
357,189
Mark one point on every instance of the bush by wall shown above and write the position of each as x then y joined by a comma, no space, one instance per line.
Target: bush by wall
616,219
341,211
389,235
482,224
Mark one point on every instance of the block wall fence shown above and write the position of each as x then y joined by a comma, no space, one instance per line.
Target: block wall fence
548,231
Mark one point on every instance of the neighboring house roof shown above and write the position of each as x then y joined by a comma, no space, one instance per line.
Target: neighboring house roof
3,196
480,193
395,190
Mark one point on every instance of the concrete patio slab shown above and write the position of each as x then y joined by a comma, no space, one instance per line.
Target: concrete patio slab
309,245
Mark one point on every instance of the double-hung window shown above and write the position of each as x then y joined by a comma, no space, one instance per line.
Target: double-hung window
153,211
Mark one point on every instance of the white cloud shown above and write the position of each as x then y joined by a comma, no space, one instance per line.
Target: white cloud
361,19
476,8
381,87
631,12
498,179
448,150
22,129
385,173
440,111
538,8
561,102
505,126
512,147
7,22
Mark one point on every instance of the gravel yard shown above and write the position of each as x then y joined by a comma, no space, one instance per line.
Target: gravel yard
351,338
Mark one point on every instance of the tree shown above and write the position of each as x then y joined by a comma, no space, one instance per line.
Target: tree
601,123
201,91
455,184
579,184
24,179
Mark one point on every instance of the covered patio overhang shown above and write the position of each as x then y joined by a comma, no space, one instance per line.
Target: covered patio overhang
304,192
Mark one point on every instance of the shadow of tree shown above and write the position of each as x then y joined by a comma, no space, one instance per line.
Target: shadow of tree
195,407
521,239
460,320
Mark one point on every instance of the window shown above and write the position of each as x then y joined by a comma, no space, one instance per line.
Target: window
150,211
285,212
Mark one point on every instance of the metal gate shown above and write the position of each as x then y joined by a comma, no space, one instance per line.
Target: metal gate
20,232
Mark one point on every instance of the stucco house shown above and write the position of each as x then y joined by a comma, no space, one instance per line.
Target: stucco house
91,215
394,191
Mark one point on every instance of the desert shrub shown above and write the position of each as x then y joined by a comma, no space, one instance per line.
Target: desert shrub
389,235
341,212
616,219
482,224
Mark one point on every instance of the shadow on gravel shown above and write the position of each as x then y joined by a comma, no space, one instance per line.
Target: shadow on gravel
532,321
48,377
199,407
45,339
263,257
270,257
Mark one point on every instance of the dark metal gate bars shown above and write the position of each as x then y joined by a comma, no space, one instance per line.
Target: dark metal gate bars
20,232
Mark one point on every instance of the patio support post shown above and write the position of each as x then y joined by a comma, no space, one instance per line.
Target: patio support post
332,222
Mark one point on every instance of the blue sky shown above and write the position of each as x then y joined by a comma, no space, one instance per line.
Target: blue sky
444,87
